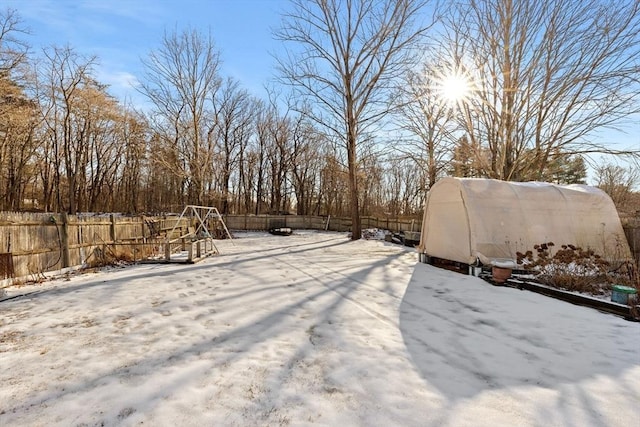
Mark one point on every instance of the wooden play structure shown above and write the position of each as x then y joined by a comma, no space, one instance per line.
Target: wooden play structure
205,223
197,243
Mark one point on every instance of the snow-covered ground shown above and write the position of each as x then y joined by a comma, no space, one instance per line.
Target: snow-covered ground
310,329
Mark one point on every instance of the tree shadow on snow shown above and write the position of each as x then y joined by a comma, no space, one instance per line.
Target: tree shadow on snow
108,287
325,290
466,336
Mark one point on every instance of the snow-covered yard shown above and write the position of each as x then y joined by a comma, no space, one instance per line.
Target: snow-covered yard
310,329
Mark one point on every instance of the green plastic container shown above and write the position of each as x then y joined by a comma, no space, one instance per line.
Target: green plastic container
620,294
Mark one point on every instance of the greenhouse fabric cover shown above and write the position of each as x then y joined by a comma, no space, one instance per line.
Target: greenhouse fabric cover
467,219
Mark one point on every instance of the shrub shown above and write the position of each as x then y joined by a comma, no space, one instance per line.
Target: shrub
576,269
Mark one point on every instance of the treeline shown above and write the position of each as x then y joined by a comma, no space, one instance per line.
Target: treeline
75,148
66,144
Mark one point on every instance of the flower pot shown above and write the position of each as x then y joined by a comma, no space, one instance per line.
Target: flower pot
622,294
500,274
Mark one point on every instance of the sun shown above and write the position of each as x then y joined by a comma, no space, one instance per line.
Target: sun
454,88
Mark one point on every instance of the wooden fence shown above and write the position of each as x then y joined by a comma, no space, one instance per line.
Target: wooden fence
33,244
266,222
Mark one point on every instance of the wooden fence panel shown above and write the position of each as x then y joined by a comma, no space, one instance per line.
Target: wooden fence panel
33,240
86,235
127,228
265,222
38,243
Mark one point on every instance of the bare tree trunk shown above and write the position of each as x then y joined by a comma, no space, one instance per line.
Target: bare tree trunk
354,194
346,80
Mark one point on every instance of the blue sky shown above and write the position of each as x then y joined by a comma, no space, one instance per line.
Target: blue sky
121,32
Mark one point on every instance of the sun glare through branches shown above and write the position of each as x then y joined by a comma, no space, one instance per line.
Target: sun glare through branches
453,87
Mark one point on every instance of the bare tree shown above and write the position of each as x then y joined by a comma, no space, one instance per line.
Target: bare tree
234,112
306,147
103,118
372,177
181,79
546,77
428,122
617,182
264,116
18,114
333,185
13,50
133,134
273,151
18,143
63,75
278,155
344,55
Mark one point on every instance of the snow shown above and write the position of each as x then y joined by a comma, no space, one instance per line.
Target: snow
503,263
309,329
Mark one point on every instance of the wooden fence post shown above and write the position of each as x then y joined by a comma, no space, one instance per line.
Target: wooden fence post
64,240
112,228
